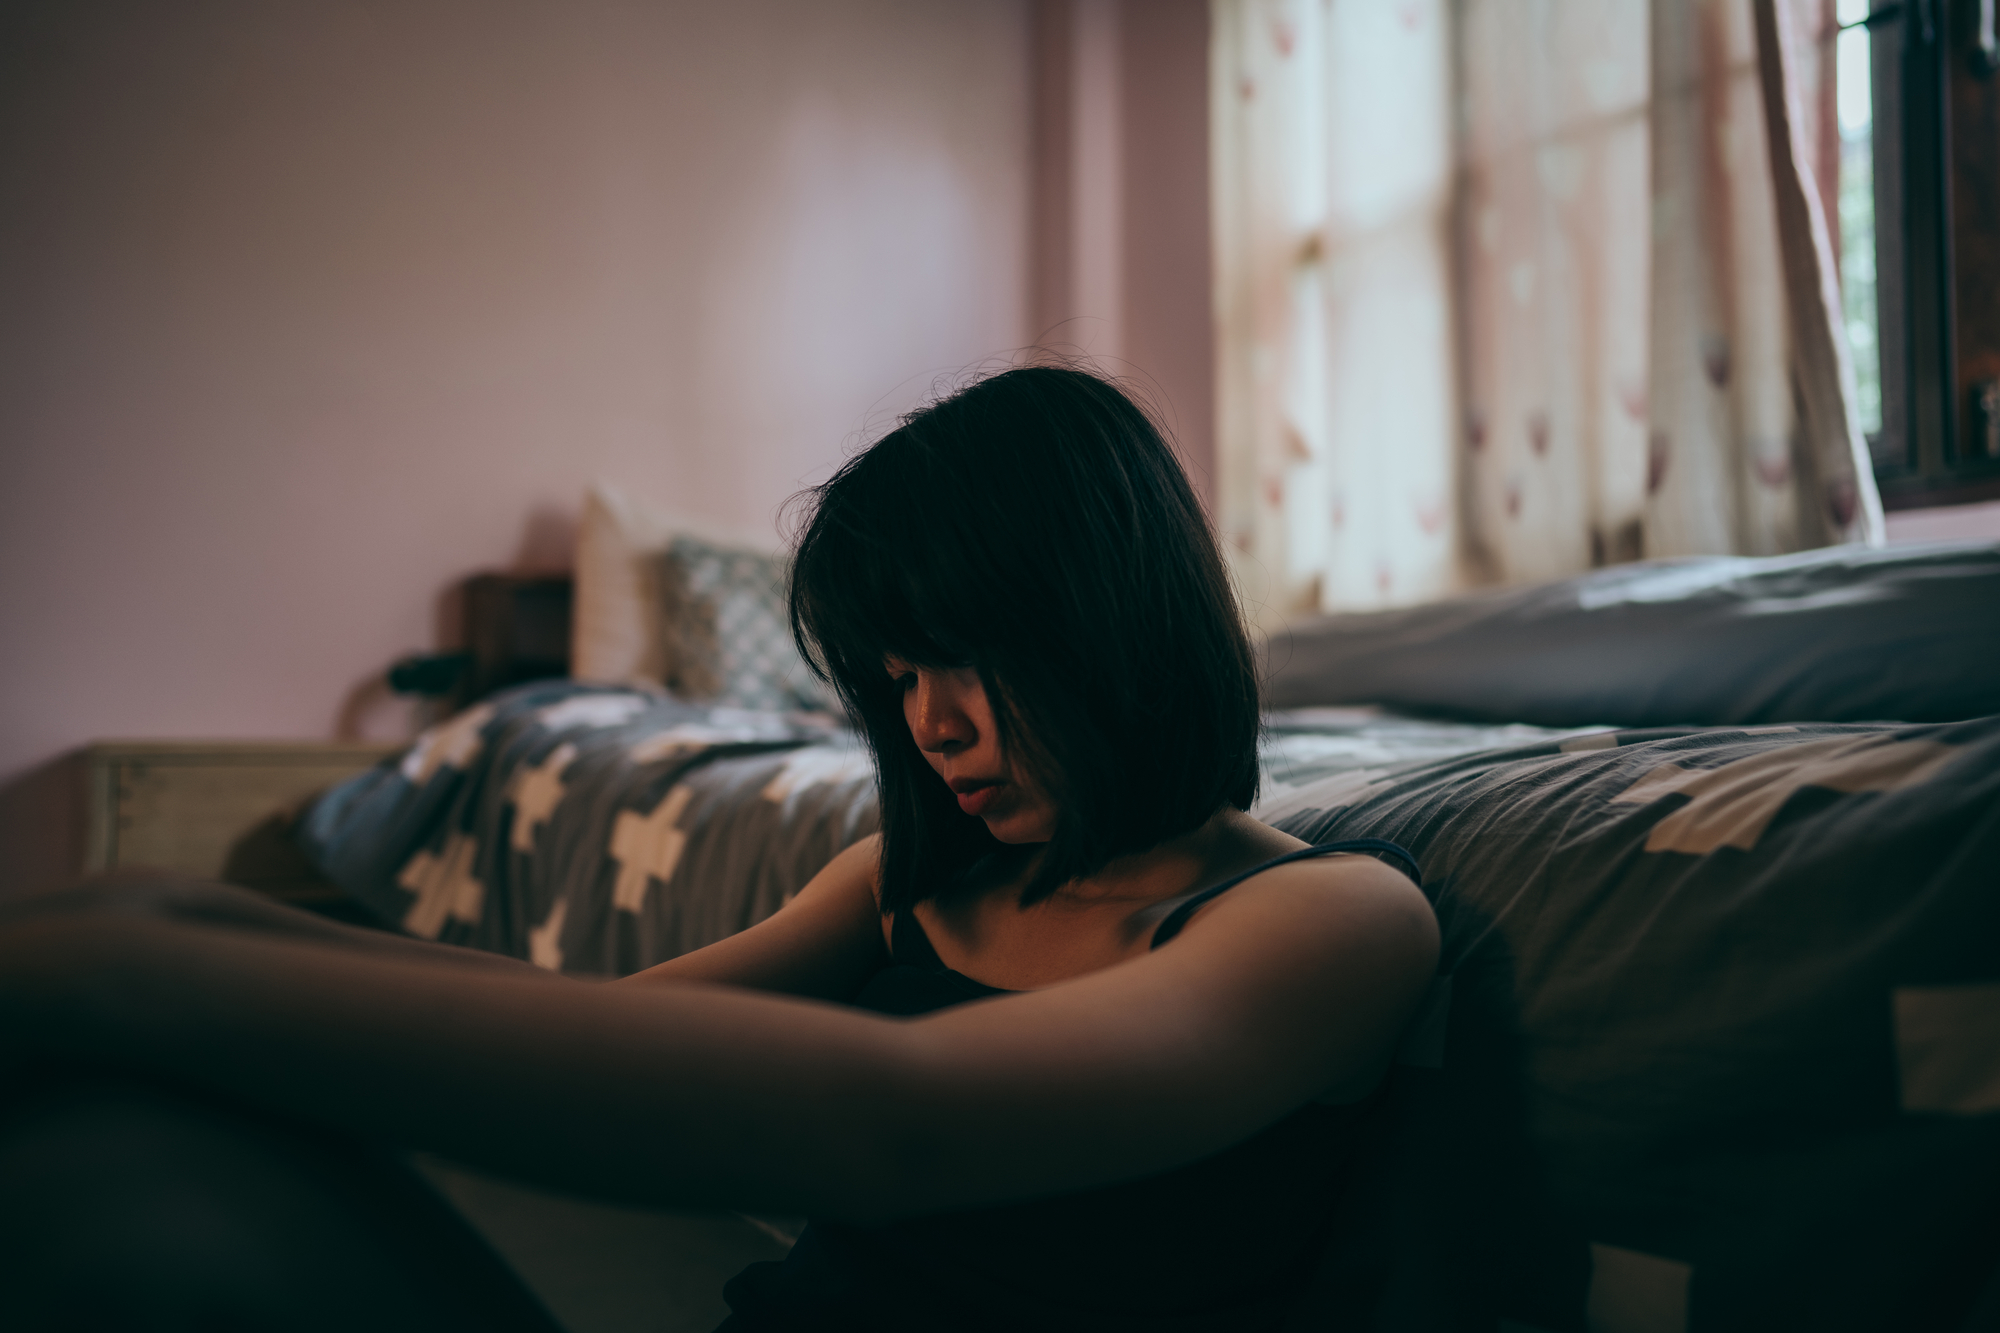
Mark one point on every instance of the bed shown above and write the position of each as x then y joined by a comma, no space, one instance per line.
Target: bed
1715,849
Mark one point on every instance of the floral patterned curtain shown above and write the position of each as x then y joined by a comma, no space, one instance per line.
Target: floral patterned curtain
1754,445
1336,473
1508,289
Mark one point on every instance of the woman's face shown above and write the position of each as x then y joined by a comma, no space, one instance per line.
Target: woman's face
951,720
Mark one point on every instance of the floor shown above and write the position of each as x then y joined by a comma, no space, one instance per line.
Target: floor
605,1269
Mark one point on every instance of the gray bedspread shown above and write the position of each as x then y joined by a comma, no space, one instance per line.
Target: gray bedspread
594,829
1719,1020
1723,1043
602,830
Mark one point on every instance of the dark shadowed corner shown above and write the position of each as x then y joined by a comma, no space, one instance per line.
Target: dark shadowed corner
41,827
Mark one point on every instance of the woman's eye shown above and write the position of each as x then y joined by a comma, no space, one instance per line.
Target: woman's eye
905,681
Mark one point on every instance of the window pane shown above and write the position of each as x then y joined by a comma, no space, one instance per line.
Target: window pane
1857,211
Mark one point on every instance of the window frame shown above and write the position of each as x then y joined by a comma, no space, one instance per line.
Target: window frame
1918,457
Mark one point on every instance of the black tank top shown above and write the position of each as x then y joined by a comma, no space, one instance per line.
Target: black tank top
1221,1243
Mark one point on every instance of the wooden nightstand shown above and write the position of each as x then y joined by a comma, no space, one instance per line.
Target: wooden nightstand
220,809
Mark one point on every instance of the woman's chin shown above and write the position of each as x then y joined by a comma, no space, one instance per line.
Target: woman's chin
1017,829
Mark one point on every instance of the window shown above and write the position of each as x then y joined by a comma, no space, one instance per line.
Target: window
1855,114
1920,243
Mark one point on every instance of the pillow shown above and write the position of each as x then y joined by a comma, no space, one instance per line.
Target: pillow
617,632
1844,634
726,632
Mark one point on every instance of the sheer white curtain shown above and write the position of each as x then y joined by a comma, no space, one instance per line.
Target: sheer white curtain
1332,222
1507,289
1553,247
1755,444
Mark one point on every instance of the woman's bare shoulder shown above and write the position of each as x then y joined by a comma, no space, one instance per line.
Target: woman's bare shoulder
1341,900
1342,891
1297,945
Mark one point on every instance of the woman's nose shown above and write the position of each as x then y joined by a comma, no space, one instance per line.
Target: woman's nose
938,720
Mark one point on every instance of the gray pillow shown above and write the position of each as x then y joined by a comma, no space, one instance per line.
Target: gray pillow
728,639
1844,634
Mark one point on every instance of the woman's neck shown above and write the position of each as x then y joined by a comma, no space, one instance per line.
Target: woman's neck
1227,841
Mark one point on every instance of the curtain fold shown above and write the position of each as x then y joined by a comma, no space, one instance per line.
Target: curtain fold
1508,289
1552,248
1837,497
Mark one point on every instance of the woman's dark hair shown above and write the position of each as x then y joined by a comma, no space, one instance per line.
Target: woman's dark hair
1037,528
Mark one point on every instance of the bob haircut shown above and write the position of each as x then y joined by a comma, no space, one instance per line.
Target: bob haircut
1036,528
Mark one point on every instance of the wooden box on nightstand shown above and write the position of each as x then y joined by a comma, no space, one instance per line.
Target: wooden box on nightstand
219,809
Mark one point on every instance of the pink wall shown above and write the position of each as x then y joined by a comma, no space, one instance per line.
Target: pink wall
309,309
1168,288
1120,256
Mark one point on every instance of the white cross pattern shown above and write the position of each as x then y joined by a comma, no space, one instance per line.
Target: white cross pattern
647,847
599,712
1733,803
545,940
537,793
453,742
445,887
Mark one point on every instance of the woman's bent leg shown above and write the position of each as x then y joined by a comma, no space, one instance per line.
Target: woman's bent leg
129,1206
164,896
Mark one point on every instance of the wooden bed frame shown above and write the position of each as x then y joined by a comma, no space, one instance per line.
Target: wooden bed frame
215,809
226,809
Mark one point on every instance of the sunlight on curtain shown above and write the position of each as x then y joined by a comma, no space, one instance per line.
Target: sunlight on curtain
1554,146
1833,478
1720,457
1333,170
1755,444
1509,289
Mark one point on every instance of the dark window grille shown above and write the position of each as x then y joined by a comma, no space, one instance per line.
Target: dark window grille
1936,158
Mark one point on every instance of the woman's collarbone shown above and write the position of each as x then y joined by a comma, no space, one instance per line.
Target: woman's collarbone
1010,947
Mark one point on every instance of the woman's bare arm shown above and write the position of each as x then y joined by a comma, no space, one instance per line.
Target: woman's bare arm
821,945
159,895
699,1095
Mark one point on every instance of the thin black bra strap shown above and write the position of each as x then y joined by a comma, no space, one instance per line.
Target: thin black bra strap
1179,917
909,945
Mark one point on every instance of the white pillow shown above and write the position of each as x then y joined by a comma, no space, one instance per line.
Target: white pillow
616,632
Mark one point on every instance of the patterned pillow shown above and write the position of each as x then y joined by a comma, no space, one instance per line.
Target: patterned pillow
727,638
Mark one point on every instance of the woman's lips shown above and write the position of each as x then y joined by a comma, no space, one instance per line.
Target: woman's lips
974,798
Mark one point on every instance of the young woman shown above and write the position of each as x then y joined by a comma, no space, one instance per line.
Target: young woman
1074,1043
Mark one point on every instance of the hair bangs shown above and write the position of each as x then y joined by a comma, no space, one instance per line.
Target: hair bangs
1037,528
867,586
